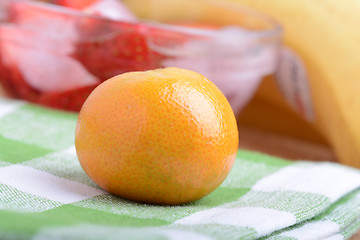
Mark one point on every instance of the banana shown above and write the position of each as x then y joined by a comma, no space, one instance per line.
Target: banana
325,34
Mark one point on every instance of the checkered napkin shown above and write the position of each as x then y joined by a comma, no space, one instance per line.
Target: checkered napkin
44,193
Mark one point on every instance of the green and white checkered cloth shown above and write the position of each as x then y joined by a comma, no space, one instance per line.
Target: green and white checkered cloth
44,193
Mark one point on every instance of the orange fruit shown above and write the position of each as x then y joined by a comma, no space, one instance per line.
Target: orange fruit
165,136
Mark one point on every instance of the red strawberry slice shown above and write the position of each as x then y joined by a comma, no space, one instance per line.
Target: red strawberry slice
22,89
122,47
33,39
71,100
104,47
42,69
109,48
77,4
10,76
5,80
15,85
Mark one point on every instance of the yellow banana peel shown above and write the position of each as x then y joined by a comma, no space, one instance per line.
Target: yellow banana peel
326,34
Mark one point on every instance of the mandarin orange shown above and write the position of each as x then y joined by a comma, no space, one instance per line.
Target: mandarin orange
165,136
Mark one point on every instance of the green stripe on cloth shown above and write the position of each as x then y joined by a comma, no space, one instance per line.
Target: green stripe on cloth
252,168
45,194
14,199
302,205
16,152
38,126
3,164
91,232
342,216
63,164
115,205
219,231
351,229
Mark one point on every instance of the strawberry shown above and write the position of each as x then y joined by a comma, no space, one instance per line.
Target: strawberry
102,46
107,48
71,100
10,76
119,48
15,85
5,81
76,4
112,54
29,51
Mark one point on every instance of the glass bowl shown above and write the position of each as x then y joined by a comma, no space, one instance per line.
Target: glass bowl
55,56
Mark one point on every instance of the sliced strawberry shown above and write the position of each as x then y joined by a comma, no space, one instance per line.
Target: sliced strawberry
10,76
33,39
5,81
15,85
76,4
71,100
123,48
41,68
23,90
